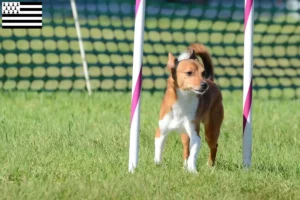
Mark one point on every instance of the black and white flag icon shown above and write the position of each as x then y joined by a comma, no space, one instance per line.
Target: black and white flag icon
22,15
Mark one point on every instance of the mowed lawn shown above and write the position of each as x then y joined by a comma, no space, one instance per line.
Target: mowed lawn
72,146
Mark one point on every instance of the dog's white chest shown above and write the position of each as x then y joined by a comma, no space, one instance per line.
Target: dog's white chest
182,114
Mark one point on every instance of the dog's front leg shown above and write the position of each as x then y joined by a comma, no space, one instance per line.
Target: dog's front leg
160,139
195,143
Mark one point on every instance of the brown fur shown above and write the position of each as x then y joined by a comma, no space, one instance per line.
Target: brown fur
200,50
210,109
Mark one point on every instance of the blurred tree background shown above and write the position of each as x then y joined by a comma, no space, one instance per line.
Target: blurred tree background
49,59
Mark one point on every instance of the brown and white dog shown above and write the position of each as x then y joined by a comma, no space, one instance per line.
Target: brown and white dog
191,97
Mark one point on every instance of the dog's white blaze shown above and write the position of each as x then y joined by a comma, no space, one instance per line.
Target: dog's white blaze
180,119
184,55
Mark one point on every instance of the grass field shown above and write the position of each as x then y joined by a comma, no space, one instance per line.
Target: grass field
71,146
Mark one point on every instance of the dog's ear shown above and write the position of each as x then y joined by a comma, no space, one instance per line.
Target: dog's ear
171,62
192,53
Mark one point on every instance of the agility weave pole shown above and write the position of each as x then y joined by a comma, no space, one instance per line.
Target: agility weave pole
82,52
247,82
136,84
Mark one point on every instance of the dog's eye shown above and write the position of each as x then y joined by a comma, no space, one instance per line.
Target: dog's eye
203,74
189,73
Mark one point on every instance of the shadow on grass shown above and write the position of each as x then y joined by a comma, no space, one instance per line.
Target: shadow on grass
276,168
228,166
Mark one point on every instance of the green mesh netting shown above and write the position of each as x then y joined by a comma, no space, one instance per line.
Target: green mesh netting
49,59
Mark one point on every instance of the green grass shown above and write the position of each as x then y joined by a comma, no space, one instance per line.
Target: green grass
71,146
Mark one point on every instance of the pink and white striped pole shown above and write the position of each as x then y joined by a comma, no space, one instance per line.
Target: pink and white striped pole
247,85
136,84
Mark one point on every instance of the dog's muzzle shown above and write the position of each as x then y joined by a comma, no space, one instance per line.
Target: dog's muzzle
204,87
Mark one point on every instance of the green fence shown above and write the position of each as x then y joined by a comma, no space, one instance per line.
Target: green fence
49,59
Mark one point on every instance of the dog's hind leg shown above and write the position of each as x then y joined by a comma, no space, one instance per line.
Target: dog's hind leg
185,139
212,132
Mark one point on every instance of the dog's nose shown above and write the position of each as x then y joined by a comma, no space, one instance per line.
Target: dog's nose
203,85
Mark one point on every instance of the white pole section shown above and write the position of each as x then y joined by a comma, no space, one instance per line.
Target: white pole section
82,52
247,85
136,84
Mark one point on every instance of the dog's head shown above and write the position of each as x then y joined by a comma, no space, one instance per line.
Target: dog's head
188,73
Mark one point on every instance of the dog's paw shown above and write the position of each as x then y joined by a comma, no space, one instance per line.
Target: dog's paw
191,167
210,164
185,164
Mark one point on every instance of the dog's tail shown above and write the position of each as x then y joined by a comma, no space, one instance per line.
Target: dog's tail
200,50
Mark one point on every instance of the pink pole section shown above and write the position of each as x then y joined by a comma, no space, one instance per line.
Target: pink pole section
247,85
136,84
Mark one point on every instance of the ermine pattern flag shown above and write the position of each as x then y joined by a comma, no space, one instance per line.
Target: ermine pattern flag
22,15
